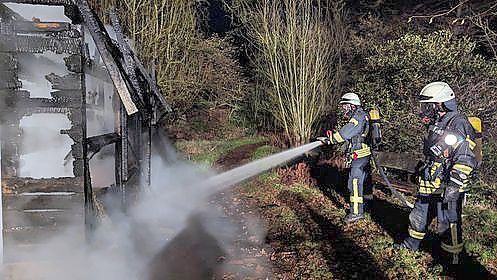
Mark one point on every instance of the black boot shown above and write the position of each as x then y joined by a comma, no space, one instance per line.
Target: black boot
351,218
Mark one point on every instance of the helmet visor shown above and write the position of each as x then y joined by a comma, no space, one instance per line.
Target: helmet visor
428,113
345,108
426,109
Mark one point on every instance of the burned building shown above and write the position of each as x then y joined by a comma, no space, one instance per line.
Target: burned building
79,82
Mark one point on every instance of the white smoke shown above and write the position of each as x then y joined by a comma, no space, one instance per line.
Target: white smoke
43,148
34,67
135,244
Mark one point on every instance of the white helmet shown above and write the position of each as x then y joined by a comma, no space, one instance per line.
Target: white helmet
350,98
436,92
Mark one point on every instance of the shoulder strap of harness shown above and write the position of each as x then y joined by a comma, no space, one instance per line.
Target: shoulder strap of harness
452,121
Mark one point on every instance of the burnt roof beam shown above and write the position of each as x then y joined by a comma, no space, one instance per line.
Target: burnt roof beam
129,64
134,65
97,143
104,46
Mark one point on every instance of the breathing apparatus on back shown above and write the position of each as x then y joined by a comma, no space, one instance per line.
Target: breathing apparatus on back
375,129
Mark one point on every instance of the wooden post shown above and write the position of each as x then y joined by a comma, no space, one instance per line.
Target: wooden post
147,153
88,191
124,155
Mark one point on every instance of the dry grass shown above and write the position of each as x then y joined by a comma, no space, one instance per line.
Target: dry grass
190,69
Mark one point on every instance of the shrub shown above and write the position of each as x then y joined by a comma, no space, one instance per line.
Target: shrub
396,70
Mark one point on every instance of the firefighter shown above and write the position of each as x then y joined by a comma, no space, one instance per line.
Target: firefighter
449,163
355,133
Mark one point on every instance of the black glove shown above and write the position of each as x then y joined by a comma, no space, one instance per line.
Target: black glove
324,140
451,193
425,172
418,172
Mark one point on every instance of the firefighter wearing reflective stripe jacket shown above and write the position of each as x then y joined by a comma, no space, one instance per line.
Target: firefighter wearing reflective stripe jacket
449,162
355,134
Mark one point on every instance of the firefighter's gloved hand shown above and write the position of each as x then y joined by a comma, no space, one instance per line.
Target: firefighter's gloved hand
451,193
324,140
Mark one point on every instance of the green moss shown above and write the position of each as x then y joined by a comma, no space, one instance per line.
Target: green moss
305,191
264,151
200,125
269,178
489,165
208,152
319,271
288,217
480,234
409,264
380,244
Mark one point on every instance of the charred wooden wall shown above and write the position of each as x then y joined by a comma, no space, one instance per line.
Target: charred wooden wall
34,209
140,106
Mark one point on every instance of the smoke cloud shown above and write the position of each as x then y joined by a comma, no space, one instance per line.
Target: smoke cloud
171,232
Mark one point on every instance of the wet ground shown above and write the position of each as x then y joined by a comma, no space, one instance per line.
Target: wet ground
248,257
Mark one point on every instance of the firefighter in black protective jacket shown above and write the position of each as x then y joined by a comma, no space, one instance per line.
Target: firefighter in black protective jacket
449,163
355,133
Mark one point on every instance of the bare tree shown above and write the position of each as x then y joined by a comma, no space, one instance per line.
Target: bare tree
299,45
479,14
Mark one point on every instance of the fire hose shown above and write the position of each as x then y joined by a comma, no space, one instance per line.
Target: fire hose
395,193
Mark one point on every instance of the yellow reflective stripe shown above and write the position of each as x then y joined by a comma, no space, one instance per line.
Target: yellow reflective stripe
431,184
437,164
338,138
454,249
453,233
364,152
472,143
463,168
428,190
355,198
416,234
435,167
354,121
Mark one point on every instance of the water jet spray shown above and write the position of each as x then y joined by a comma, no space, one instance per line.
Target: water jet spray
252,169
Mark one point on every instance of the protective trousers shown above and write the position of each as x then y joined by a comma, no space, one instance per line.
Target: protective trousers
449,224
450,230
359,184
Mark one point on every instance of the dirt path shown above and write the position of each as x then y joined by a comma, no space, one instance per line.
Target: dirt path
239,156
249,256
